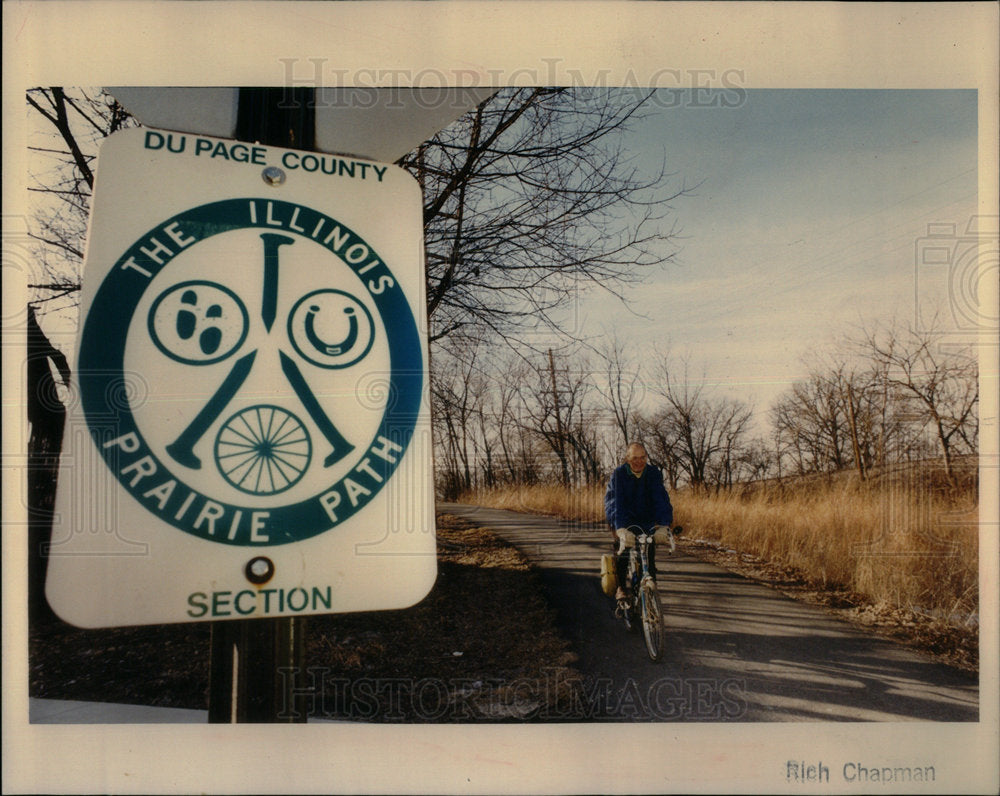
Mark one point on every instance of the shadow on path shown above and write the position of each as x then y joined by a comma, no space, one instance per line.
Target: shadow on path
737,651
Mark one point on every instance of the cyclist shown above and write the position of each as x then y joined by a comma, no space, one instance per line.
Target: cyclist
636,496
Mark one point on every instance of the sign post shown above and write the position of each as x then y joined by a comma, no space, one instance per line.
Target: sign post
252,436
253,665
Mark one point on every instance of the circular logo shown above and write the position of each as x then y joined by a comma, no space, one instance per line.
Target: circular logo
219,306
331,328
198,323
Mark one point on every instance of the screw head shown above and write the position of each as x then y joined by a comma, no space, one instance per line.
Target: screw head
272,175
259,570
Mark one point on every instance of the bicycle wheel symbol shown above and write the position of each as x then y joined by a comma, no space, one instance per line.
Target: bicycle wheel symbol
263,450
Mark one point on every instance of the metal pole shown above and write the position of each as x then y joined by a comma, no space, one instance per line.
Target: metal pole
255,663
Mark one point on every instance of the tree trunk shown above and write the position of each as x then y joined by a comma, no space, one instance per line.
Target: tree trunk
47,418
859,463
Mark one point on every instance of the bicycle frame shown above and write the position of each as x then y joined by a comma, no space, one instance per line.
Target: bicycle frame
642,602
638,561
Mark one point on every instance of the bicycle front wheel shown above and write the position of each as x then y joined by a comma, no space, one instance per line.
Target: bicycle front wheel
652,619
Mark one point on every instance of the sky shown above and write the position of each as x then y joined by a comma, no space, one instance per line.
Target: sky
803,225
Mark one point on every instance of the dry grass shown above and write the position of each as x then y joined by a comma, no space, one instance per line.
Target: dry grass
583,503
903,540
903,550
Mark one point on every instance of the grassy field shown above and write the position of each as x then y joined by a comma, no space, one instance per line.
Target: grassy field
904,539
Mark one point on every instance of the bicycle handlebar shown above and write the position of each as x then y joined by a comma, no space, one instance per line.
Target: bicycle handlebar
629,537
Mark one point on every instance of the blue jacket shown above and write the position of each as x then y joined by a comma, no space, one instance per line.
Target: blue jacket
641,501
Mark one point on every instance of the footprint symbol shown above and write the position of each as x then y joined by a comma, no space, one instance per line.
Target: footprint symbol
211,338
187,321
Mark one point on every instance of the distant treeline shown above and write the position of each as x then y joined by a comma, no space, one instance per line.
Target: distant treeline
892,393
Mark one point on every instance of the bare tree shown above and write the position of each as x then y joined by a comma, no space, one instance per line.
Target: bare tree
454,397
531,197
659,434
69,126
558,404
733,423
620,385
754,461
937,382
811,419
512,433
874,408
838,415
708,429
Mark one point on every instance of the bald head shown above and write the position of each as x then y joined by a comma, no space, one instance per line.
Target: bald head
635,455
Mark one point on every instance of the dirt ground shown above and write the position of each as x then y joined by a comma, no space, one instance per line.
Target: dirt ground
480,647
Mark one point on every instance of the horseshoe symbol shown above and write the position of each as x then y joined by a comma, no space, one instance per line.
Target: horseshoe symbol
325,343
324,347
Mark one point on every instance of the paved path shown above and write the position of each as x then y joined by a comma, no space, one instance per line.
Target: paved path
737,651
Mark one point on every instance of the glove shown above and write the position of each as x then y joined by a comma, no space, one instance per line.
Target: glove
661,533
626,539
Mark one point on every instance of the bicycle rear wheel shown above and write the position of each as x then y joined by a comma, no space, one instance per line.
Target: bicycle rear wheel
652,619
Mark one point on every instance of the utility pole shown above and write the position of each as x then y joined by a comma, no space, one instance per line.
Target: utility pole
561,437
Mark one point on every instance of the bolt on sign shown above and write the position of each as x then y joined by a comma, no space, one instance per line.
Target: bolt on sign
249,432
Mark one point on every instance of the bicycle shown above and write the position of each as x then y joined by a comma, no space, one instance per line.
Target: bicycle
641,604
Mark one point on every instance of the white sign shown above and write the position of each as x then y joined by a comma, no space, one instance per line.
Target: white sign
251,436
